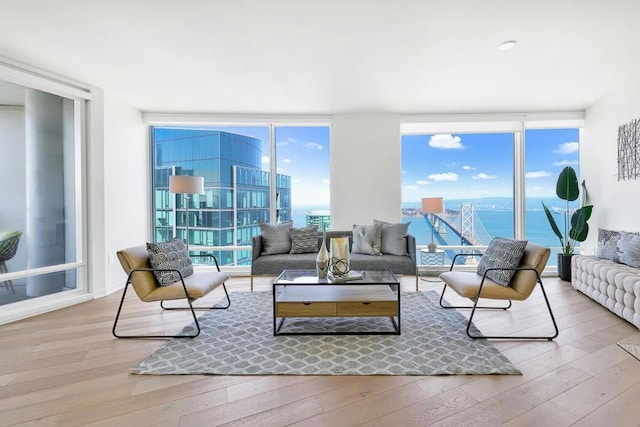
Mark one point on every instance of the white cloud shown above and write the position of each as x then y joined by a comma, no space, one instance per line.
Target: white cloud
326,181
448,176
314,145
293,180
566,163
282,171
468,168
423,182
445,141
484,176
285,160
537,188
412,187
265,160
537,174
568,148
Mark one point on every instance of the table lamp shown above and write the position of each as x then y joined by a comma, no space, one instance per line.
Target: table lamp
432,205
186,184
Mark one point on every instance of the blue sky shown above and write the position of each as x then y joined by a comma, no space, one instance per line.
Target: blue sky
460,166
454,166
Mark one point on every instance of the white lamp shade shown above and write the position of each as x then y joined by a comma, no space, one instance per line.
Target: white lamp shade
432,205
186,184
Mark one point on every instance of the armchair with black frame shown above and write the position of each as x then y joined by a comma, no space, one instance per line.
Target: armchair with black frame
474,286
136,263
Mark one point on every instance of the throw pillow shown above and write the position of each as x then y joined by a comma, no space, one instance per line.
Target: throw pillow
502,253
628,250
275,238
394,237
367,239
304,240
608,242
171,254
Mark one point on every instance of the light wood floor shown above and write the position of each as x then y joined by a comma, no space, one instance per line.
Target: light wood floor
65,368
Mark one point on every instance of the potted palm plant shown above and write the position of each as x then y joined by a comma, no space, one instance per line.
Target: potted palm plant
575,224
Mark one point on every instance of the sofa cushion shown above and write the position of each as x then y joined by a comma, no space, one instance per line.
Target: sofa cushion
394,237
171,254
304,240
367,239
502,253
275,237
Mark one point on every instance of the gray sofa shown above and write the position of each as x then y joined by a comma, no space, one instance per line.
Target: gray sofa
263,265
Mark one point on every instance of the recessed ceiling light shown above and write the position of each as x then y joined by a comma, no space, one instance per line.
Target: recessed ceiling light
507,45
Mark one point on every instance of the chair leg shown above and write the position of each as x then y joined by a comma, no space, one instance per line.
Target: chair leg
549,338
251,282
7,283
474,306
115,323
201,308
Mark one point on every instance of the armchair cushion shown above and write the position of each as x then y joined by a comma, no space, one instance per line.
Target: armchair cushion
502,253
171,254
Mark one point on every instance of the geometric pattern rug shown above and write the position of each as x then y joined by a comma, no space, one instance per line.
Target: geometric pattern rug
240,341
632,349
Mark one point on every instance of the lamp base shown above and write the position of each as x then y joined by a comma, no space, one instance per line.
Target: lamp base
432,247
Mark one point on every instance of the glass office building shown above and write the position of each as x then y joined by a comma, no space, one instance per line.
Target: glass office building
236,195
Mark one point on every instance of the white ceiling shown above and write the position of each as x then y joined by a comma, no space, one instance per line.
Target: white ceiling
333,56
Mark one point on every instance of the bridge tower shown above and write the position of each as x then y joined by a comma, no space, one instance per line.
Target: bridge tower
467,223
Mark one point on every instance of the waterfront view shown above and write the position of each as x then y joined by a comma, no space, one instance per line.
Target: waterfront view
493,217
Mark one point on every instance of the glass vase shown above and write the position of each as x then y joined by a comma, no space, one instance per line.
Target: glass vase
322,260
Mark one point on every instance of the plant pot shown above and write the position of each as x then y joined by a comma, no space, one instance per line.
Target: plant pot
564,267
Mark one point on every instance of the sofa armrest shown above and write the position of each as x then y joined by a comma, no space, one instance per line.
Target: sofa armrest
411,248
256,247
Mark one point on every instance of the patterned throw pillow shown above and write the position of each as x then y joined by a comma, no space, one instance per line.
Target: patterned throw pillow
304,240
607,246
628,250
394,237
171,254
275,238
367,239
502,253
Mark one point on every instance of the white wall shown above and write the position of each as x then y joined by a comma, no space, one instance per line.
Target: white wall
616,203
126,190
365,169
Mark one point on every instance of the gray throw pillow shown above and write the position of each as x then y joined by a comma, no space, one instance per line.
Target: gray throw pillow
502,253
367,239
275,238
394,237
607,246
171,254
628,250
304,240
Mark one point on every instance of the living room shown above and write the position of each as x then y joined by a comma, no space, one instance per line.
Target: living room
385,66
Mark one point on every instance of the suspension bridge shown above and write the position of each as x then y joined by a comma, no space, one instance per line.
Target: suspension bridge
462,227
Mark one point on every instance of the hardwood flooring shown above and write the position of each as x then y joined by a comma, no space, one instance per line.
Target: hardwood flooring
65,369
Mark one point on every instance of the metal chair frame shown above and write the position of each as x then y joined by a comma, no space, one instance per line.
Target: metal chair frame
477,299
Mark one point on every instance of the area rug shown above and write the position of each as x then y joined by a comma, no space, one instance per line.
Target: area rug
240,341
632,349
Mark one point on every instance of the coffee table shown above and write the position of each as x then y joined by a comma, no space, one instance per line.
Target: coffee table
300,293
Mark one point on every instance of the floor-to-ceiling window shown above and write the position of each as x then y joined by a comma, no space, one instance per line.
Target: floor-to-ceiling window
492,176
41,203
252,173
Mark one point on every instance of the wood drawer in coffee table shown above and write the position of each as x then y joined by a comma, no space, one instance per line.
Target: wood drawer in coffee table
305,309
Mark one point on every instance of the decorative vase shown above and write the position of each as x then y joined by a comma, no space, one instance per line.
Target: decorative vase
564,267
322,260
339,256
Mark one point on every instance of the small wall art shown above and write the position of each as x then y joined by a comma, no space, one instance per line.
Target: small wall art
629,150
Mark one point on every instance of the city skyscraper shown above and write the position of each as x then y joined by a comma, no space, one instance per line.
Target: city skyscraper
237,190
